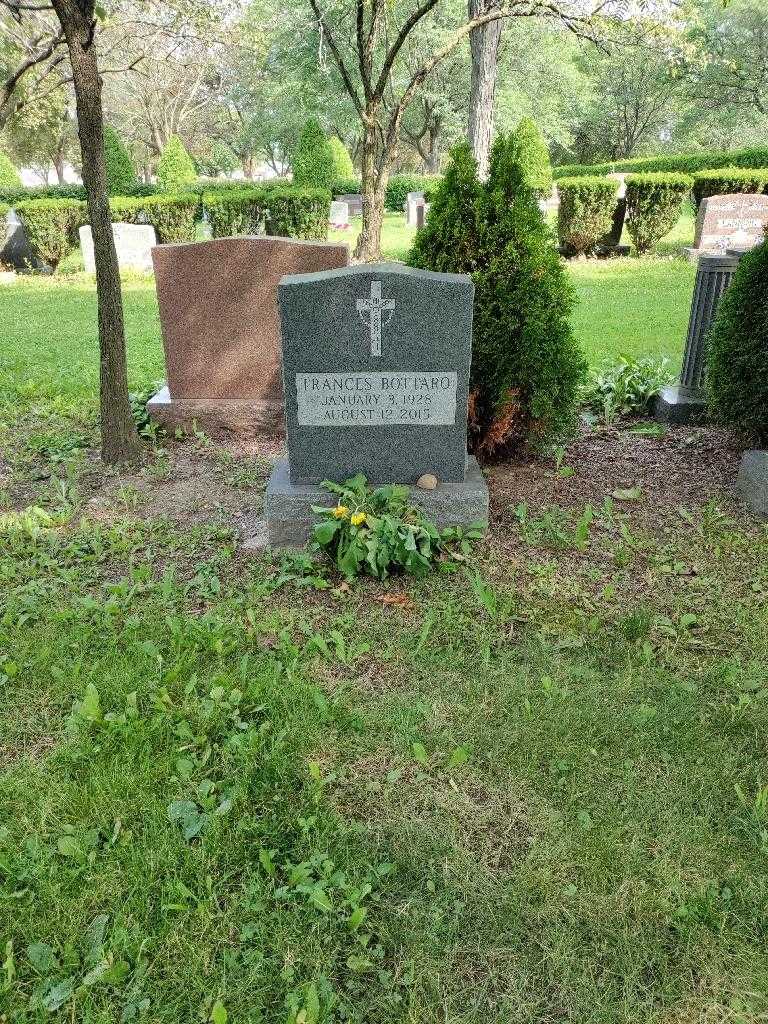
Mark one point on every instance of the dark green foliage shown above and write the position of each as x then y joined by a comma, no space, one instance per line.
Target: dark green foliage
654,202
235,212
16,194
585,214
534,156
737,366
314,163
175,169
297,212
728,181
172,216
51,226
9,176
399,185
685,163
449,241
121,174
526,365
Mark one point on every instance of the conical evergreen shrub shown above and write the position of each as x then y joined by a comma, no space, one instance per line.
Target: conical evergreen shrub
175,169
449,241
343,168
9,176
526,364
737,367
533,154
121,174
313,163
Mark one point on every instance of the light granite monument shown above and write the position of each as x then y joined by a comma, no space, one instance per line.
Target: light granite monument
726,222
376,363
133,244
339,214
221,329
413,201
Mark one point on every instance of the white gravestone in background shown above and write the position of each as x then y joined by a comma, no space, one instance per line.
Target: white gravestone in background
133,243
412,200
339,215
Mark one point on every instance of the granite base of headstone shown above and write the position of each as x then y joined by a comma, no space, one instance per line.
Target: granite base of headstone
376,365
221,329
687,401
133,245
752,481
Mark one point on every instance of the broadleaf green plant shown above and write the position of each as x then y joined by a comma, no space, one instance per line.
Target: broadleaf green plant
376,531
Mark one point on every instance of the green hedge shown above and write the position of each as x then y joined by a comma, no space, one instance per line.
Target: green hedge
686,163
728,181
172,216
235,211
400,185
51,227
654,203
346,186
297,212
585,215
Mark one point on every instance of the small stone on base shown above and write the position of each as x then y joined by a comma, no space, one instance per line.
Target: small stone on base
752,482
679,405
427,482
288,507
244,417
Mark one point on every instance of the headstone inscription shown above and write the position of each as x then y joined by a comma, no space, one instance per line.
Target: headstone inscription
133,244
376,363
725,222
221,330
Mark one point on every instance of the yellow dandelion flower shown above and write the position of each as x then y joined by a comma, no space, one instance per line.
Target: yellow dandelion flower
341,512
358,519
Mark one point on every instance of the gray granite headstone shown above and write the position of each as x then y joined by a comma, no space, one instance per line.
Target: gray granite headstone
376,373
15,250
752,482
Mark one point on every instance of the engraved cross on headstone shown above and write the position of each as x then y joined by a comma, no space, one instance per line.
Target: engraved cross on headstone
373,307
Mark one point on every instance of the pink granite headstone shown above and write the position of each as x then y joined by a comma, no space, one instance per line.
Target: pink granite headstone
221,329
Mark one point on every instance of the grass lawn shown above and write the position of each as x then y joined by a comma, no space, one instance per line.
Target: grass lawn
49,337
529,789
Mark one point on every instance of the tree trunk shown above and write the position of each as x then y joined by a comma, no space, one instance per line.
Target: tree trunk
374,184
484,44
59,165
119,441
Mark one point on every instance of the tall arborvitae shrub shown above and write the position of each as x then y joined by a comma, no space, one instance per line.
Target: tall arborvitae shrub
121,174
533,155
313,162
9,176
343,168
449,241
737,367
526,364
175,169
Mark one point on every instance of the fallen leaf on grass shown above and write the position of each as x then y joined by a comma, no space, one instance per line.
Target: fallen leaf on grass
627,493
397,600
